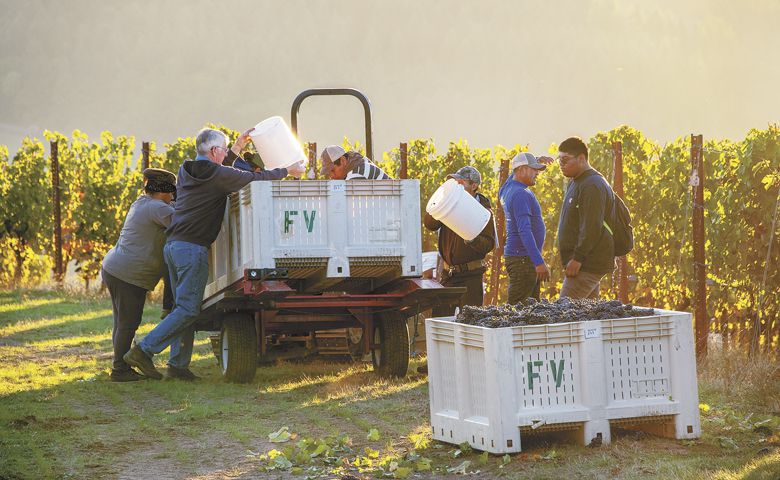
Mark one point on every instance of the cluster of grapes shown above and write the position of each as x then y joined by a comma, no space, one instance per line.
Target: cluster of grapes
533,312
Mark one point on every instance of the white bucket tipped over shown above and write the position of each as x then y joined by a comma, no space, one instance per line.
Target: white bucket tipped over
456,208
276,144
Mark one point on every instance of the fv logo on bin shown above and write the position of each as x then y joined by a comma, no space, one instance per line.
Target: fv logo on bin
307,217
535,367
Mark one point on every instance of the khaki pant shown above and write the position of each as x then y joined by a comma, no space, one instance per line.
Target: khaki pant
584,285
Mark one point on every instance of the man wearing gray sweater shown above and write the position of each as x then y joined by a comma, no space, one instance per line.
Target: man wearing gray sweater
202,188
135,264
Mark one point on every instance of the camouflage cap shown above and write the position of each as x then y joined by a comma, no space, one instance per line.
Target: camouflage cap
467,173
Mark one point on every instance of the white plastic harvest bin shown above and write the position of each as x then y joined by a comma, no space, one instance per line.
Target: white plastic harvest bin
336,224
490,386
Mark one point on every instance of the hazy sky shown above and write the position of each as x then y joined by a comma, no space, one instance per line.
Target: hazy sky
490,71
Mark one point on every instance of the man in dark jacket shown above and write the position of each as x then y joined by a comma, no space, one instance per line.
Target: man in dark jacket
202,188
584,240
463,261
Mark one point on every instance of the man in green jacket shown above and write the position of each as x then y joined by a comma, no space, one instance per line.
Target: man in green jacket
584,240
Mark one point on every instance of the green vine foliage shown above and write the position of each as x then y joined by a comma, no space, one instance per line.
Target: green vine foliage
99,181
26,215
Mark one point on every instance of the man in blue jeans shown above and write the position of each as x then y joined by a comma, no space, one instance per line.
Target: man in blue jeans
202,186
525,230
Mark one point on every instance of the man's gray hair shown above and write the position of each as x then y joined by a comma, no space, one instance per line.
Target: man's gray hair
209,138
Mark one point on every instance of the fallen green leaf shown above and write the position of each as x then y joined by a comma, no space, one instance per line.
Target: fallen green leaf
423,464
279,436
402,472
371,453
460,469
321,448
420,441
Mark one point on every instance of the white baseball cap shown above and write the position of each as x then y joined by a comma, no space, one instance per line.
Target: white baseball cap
526,158
332,153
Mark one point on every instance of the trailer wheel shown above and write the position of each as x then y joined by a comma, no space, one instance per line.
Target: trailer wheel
238,348
391,355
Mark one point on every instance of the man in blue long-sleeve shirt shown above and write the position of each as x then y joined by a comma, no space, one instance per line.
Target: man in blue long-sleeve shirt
525,229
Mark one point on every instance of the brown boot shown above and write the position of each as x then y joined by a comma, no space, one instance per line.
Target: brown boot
138,359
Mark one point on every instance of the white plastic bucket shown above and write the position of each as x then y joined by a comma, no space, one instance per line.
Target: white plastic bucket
276,144
456,208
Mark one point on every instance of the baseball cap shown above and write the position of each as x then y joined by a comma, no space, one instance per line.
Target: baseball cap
526,158
467,173
332,153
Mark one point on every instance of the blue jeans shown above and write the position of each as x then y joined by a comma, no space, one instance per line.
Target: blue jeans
188,266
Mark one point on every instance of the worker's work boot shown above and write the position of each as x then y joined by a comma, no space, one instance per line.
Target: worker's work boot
181,374
128,375
136,357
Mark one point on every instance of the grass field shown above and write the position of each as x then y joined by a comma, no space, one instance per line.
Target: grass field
60,417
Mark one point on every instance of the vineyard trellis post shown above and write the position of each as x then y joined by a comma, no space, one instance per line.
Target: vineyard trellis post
59,271
312,151
699,255
144,156
622,262
403,171
498,252
760,315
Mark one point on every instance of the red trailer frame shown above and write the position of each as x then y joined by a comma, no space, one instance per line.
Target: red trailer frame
254,308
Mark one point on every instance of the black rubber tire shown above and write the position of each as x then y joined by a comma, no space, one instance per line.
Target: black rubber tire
391,356
238,345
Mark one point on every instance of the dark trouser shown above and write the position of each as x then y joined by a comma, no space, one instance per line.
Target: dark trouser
474,295
127,301
167,291
522,279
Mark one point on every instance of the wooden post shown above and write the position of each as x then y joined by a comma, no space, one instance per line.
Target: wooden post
622,262
144,156
59,271
498,252
312,174
403,169
699,257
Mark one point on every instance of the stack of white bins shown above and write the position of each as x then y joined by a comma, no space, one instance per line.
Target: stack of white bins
491,386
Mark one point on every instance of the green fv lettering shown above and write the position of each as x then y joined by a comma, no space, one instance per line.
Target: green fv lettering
555,369
532,374
308,219
557,372
287,220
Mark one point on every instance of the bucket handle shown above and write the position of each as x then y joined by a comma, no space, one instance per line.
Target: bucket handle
332,92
